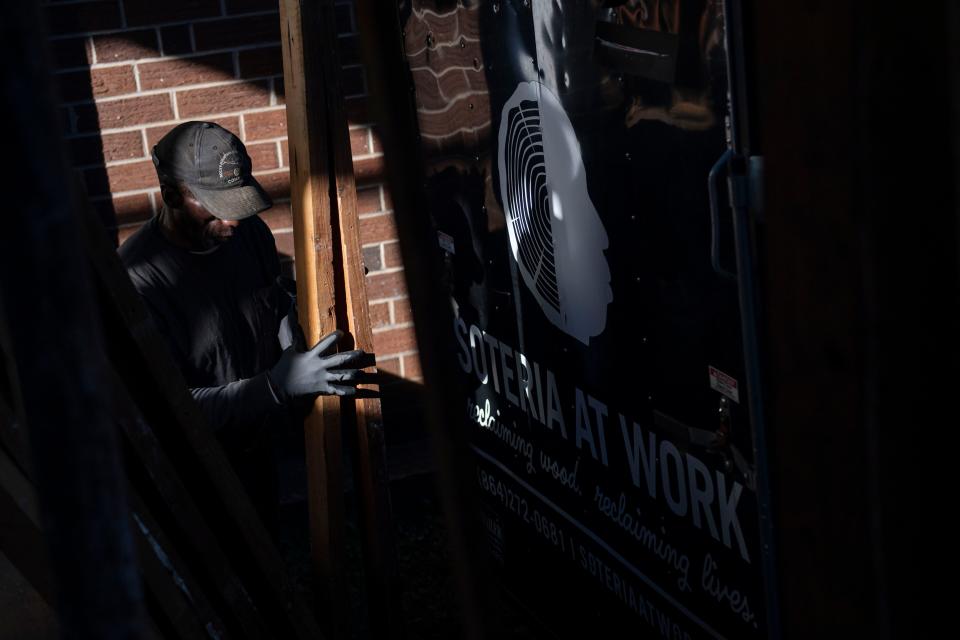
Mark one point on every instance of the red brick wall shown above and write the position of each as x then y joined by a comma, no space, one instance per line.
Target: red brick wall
129,70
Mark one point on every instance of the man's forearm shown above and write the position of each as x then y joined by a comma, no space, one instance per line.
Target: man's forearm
237,404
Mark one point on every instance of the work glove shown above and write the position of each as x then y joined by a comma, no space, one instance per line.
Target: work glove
311,373
290,333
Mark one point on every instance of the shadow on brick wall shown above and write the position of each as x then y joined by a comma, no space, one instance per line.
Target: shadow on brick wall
127,71
125,78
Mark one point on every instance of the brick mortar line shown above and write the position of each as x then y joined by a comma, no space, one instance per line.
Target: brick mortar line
367,216
370,245
398,354
370,141
184,56
264,44
146,93
242,123
452,102
174,23
382,256
393,327
367,156
140,127
375,214
386,272
168,90
388,299
175,57
461,130
452,44
113,163
159,123
373,301
445,70
88,42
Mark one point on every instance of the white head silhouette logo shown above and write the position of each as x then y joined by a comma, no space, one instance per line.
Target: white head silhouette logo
555,232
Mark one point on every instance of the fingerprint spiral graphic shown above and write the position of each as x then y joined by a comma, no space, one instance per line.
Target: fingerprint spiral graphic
529,200
556,235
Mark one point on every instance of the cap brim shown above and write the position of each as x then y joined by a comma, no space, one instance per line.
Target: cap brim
235,203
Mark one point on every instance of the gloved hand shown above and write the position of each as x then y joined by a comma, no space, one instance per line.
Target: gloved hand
310,373
290,333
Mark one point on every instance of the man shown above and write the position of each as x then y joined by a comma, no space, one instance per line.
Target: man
207,268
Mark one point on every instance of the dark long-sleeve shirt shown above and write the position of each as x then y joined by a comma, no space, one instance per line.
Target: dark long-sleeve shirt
219,311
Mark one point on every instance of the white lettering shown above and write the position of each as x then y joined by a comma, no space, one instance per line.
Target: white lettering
701,497
460,330
677,504
728,514
554,412
507,373
638,454
584,431
476,347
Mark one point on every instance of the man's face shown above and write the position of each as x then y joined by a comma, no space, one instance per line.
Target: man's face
202,228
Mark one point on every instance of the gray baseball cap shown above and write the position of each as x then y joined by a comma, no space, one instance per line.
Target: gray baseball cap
214,165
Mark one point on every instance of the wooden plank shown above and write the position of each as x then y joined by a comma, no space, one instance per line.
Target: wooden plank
20,533
143,361
56,341
304,87
12,433
195,536
363,417
170,581
21,536
34,619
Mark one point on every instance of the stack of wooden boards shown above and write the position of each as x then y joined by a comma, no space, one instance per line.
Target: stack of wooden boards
209,568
